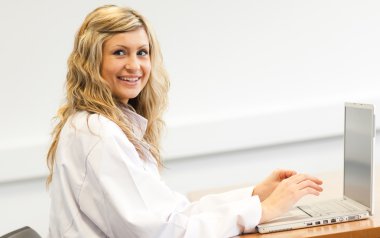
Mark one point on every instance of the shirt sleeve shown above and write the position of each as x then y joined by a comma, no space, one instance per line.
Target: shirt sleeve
125,200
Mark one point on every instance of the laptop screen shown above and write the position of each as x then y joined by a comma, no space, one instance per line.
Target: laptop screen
358,147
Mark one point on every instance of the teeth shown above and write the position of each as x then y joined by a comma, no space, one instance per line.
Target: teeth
129,79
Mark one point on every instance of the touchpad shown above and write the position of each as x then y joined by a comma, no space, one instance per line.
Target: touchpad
293,214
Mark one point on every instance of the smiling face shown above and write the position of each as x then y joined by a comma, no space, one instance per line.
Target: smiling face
126,63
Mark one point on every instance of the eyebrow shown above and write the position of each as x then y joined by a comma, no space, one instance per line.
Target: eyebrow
126,47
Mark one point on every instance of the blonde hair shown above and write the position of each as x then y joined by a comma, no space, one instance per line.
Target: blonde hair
87,91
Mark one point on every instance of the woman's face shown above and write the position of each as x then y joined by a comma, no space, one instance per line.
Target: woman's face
126,63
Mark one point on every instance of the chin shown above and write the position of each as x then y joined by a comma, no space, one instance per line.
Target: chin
129,97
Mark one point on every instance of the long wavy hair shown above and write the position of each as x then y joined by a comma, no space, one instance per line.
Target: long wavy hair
86,90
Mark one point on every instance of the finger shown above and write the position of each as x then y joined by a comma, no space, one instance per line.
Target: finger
317,181
289,173
308,191
310,184
297,178
301,177
284,174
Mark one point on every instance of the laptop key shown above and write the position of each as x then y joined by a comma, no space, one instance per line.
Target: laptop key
328,208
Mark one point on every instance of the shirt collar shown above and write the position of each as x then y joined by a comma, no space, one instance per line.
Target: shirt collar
139,123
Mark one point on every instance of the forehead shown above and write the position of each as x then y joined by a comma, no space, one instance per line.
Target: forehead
130,39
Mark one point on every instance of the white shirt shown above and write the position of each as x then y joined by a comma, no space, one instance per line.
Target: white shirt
101,188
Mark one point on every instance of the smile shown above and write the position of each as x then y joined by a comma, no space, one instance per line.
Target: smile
128,79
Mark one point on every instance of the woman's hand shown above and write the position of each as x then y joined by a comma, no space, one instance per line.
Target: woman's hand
287,193
266,187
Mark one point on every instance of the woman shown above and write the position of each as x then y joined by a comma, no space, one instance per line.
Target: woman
104,158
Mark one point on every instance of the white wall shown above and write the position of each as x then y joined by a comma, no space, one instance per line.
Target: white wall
245,75
266,67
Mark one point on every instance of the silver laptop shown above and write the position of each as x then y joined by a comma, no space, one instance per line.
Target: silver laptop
357,200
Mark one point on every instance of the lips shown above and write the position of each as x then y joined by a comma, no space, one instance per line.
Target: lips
131,79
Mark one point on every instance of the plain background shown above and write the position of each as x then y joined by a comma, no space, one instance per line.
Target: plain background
256,85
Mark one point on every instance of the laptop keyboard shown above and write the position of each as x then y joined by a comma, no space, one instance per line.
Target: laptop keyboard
328,208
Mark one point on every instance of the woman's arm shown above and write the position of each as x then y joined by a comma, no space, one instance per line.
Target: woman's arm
124,200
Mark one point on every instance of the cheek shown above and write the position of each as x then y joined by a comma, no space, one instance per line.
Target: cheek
147,69
109,71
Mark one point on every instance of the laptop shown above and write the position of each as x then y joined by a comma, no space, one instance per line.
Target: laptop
357,201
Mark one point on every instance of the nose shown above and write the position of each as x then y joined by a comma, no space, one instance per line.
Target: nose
132,63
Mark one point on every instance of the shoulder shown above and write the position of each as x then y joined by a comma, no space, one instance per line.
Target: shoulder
89,129
100,138
83,132
93,124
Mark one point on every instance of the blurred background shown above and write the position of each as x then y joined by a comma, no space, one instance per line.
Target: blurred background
255,86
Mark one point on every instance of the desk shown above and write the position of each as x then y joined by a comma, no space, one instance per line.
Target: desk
333,187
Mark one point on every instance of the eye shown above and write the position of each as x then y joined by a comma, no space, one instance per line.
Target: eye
143,53
119,52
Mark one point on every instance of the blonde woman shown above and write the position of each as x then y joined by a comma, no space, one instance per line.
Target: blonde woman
104,179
